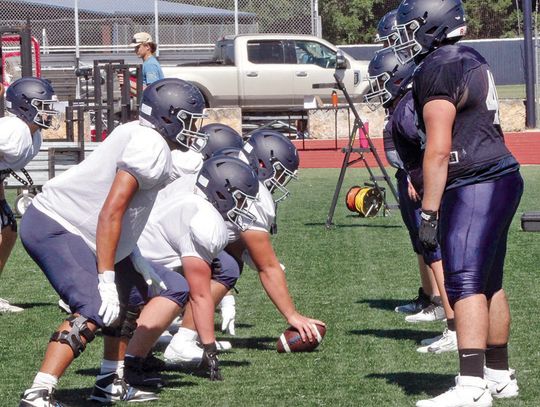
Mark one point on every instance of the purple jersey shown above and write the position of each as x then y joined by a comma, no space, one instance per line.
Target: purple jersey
409,142
460,75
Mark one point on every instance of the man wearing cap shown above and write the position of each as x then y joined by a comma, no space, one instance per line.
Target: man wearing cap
151,70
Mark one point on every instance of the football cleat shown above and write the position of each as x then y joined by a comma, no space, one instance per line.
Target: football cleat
6,307
429,341
185,349
110,387
64,306
416,305
502,383
152,363
432,312
469,391
38,397
446,343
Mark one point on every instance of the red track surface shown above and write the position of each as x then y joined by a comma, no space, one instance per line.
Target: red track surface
322,153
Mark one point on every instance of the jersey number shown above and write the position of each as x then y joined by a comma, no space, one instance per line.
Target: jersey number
492,101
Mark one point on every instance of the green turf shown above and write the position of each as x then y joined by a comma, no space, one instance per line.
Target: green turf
511,91
352,277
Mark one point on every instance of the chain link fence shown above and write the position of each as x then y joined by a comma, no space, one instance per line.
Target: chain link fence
102,25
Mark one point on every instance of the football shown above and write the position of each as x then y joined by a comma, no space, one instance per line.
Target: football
291,341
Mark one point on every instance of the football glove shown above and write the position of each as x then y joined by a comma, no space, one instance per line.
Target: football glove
8,218
110,305
145,269
210,362
228,314
427,232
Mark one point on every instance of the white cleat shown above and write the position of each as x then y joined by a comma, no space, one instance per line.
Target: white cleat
38,397
184,348
109,387
6,307
447,342
431,313
502,383
469,391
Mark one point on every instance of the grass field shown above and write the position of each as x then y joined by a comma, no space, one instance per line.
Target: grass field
511,91
352,277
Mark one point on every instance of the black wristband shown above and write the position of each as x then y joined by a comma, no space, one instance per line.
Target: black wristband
210,347
428,215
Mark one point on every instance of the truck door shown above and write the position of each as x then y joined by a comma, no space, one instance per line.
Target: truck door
315,63
266,78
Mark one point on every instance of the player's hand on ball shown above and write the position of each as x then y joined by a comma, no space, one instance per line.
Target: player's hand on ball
110,305
305,326
427,232
210,362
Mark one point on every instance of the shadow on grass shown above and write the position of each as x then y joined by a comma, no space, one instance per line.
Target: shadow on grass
197,371
412,383
397,334
28,305
334,226
261,343
380,303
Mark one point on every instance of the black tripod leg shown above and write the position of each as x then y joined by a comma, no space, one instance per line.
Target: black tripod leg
338,188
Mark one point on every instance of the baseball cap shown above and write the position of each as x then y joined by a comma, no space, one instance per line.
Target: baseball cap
140,38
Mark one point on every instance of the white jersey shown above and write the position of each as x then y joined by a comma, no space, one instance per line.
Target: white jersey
186,166
75,198
185,226
264,210
17,145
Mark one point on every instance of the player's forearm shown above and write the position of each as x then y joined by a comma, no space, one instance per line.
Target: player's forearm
107,238
435,174
203,316
275,285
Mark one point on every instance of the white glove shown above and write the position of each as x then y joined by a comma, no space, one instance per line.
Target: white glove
110,305
228,314
145,269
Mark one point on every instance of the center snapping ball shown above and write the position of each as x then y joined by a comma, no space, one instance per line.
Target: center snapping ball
291,341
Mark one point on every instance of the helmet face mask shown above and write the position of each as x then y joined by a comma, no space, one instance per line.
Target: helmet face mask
190,136
406,46
277,183
46,115
242,212
379,95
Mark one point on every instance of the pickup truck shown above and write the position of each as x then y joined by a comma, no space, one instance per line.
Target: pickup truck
269,72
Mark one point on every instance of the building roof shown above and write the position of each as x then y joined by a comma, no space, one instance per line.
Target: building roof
139,7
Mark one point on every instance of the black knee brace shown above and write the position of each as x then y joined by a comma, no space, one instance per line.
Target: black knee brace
73,337
129,323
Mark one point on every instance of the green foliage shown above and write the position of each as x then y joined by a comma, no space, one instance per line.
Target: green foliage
351,277
355,21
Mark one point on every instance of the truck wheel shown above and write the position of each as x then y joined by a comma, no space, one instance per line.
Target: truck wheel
22,202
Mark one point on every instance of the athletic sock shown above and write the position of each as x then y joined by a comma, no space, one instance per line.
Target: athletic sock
497,357
436,299
45,380
109,366
471,362
451,324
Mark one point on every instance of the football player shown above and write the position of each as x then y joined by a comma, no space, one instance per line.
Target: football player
404,142
467,171
390,80
184,233
31,104
277,162
82,228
